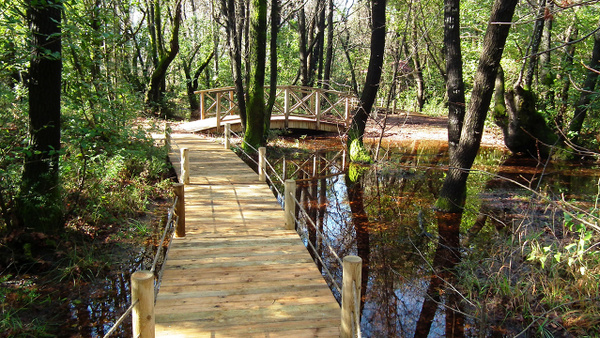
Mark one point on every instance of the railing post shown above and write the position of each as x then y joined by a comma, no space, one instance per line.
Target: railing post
286,106
231,103
185,166
318,108
351,283
179,189
168,135
290,204
262,164
227,135
218,111
202,107
142,290
347,111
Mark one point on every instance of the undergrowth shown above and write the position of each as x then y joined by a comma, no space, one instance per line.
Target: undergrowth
115,186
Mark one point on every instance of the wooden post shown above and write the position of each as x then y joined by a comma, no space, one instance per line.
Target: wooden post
179,189
347,111
350,289
142,290
262,164
168,135
290,204
227,135
318,108
286,106
231,112
218,111
185,166
284,169
202,107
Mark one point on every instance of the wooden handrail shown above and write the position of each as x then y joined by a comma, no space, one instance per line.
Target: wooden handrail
318,103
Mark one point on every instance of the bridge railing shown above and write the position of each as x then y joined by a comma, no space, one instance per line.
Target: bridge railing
319,104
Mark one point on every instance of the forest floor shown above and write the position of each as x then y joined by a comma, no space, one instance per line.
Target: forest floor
415,126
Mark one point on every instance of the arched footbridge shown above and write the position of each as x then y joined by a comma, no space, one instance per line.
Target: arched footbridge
296,107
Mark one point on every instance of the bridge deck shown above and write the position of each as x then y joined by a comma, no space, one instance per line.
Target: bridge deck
238,272
277,122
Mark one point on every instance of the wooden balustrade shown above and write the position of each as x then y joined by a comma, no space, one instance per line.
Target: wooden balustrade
319,104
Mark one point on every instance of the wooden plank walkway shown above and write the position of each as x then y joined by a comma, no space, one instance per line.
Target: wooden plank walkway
238,273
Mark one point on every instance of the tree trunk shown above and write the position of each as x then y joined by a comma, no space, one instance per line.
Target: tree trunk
567,65
255,124
367,99
275,21
588,90
155,95
228,7
535,45
455,87
303,53
329,53
418,71
40,204
453,193
192,84
546,75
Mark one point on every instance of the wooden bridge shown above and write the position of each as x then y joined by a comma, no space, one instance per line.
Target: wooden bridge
295,107
237,272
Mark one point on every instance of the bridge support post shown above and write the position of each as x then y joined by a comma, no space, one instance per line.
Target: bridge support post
180,209
142,290
347,111
227,135
318,108
218,111
351,283
202,106
262,164
185,166
290,204
286,106
168,136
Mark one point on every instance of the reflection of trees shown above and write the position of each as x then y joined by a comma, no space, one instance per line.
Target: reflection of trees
361,226
382,217
446,257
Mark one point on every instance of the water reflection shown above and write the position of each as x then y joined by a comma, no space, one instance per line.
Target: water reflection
383,213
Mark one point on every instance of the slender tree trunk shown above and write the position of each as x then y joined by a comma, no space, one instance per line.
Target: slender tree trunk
192,84
155,95
40,205
234,33
455,87
367,99
546,75
275,21
418,71
587,90
346,48
255,124
329,53
567,64
303,53
535,45
453,193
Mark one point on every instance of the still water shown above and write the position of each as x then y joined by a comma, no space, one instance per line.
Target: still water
383,213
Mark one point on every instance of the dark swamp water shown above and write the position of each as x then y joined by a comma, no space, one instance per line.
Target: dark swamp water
383,213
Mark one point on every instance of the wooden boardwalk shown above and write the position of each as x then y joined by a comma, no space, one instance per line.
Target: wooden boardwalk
238,273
